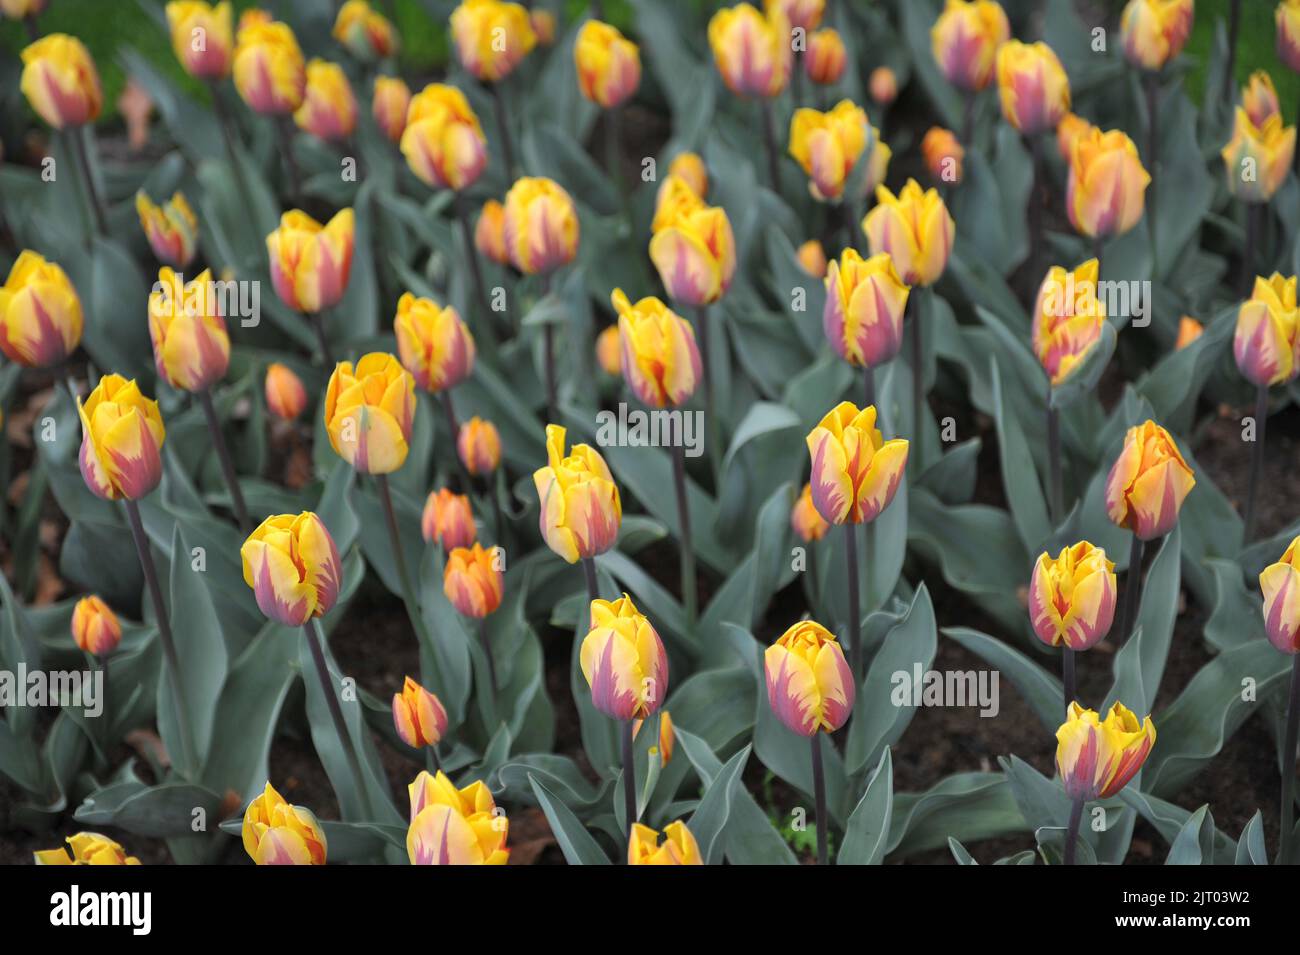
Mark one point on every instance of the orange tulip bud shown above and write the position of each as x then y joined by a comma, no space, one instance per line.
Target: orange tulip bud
943,155
418,716
479,446
95,627
1148,482
825,59
472,580
965,41
391,102
448,519
490,232
883,85
285,395
804,519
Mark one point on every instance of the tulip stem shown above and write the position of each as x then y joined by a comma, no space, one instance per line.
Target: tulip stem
1056,492
491,664
968,118
475,268
813,576
1035,185
589,571
1288,763
629,778
503,128
819,792
1152,83
1072,830
710,418
769,138
1068,679
686,551
453,426
33,31
855,613
1132,590
1248,253
1234,27
223,455
227,134
1256,463
548,355
868,386
918,373
314,640
1098,247
284,129
399,558
170,657
317,322
77,136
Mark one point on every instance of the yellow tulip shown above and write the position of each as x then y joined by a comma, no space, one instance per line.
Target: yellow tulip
121,440
1068,319
86,848
659,357
328,110
1153,32
809,686
916,230
1105,194
277,833
369,410
1259,98
580,508
828,145
1072,597
270,74
965,41
60,81
418,716
1258,158
1280,585
364,32
491,37
311,263
1189,329
678,847
436,347
541,225
172,229
804,519
202,36
490,232
291,563
693,247
690,169
804,14
1148,482
855,472
608,64
1267,341
1287,18
1096,758
624,661
391,102
865,301
1032,86
609,351
751,51
443,142
812,258
191,348
95,628
40,313
455,827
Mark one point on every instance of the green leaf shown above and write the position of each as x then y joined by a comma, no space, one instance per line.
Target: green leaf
1140,663
867,833
1041,690
1194,844
966,806
709,822
575,842
1024,493
1250,847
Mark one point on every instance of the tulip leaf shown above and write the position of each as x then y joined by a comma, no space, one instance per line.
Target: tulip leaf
1237,616
1169,820
966,806
792,284
1040,689
1140,663
960,854
561,776
575,842
708,824
1024,493
1194,844
1250,847
716,704
867,832
162,811
1176,380
1051,846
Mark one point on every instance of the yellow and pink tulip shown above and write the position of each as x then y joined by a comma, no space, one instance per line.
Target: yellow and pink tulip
855,472
1068,319
1257,159
1267,340
579,502
310,263
451,826
809,685
95,628
191,348
1153,32
328,110
825,58
491,37
40,313
86,848
390,104
293,568
1095,757
624,661
693,247
202,37
828,145
369,411
270,73
540,225
659,357
172,228
278,833
677,848
364,32
1280,585
1106,190
608,64
751,50
60,81
435,346
443,142
965,41
448,519
472,580
865,302
916,230
418,716
1072,597
1287,18
121,440
1032,86
1148,482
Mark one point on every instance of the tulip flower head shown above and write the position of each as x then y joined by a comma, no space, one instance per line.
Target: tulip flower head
1072,597
916,230
328,110
1068,131
451,826
805,15
693,247
277,833
1096,758
479,446
883,85
1287,18
609,64
804,519
191,348
1068,319
418,716
624,661
751,50
863,315
543,24
443,142
580,508
1153,32
95,628
472,580
1258,158
491,37
202,37
660,360
20,9
60,81
448,519
1032,86
828,145
1189,329
809,686
609,353
943,155
965,41
172,228
311,263
392,100
1280,584
293,567
855,472
1148,482
285,395
825,59
86,848
541,225
812,258
40,314
490,232
690,169
121,440
369,410
678,847
270,74
364,32
1267,341
436,347
1259,98
1106,190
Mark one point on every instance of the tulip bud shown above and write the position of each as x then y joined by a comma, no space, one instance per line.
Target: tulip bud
803,14
824,62
1257,159
1267,341
40,313
943,155
809,686
660,360
750,50
472,580
311,263
863,315
541,225
804,519
666,737
328,110
1068,319
965,41
1105,195
883,85
609,353
369,410
690,169
364,33
455,827
443,143
678,848
479,446
1148,482
277,833
1259,98
435,345
391,101
1096,758
877,162
95,627
292,565
1287,18
812,258
418,716
191,348
1189,329
1068,131
285,396
172,229
490,232
693,247
491,37
121,440
202,37
624,661
448,519
60,81
1280,584
855,472
86,848
1072,598
543,24
827,146
1153,32
609,64
916,230
270,74
21,9
580,508
1032,85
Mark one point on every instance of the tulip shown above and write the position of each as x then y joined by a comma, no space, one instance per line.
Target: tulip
915,228
580,508
1267,341
202,37
365,33
455,827
750,50
391,102
609,353
270,74
943,155
122,437
877,162
285,395
828,145
60,81
865,301
1257,158
804,519
1280,585
1287,18
311,263
1068,131
1259,98
1105,192
435,345
1068,319
328,110
191,348
491,37
277,833
448,519
659,358
805,15
812,258
418,716
172,229
490,233
825,60
678,848
883,85
1148,482
693,249
690,169
1153,32
855,472
541,225
623,661
95,628
40,313
666,737
1033,87
543,24
1096,758
1072,598
479,446
293,568
369,411
609,65
443,143
21,9
965,41
86,848
472,580
1189,329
